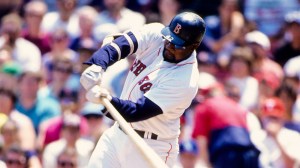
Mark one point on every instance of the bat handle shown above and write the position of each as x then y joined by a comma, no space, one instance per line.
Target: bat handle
149,154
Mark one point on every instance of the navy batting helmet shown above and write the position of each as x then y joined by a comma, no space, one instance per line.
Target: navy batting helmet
185,28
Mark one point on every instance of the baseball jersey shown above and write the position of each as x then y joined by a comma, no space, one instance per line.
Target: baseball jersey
171,86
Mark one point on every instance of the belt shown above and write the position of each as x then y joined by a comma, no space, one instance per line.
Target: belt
144,134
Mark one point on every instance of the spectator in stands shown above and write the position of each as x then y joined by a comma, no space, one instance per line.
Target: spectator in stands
268,84
104,30
292,77
10,134
23,52
85,51
7,7
260,45
96,125
288,95
223,141
67,158
292,70
167,9
269,17
205,83
59,50
291,46
240,76
12,139
70,138
63,78
26,131
50,129
188,152
38,109
207,62
116,12
87,16
15,157
279,146
223,30
65,17
34,13
9,73
5,56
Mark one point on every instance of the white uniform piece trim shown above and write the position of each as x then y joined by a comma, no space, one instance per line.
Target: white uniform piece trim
130,43
117,49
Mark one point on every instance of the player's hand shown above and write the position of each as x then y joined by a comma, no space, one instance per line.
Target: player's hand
91,76
96,92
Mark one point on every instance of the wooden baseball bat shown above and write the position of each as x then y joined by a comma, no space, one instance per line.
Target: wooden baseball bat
148,153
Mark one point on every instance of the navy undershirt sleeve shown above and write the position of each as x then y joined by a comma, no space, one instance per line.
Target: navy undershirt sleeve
143,109
104,57
108,55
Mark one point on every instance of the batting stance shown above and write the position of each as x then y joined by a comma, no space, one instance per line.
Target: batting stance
160,85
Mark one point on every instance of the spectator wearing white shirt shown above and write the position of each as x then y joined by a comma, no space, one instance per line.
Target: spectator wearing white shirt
23,51
292,77
279,146
240,71
70,139
118,14
65,17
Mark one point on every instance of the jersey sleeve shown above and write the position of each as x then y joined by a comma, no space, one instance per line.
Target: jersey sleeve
174,94
149,36
133,41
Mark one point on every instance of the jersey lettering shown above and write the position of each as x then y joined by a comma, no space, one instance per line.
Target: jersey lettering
145,87
177,28
146,78
137,67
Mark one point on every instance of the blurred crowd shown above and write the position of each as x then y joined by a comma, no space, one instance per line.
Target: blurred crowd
249,86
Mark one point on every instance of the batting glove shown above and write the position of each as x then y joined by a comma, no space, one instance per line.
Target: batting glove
95,93
91,76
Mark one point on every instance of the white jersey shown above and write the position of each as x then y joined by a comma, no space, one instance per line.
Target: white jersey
171,86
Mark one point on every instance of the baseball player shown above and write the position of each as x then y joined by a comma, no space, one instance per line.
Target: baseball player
160,85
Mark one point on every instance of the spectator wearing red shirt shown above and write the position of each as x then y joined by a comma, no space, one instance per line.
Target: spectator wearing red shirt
34,13
222,134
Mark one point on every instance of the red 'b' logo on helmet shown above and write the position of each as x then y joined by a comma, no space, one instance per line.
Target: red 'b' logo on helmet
177,28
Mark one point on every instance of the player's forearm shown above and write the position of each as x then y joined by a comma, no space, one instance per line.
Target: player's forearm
118,49
104,57
132,112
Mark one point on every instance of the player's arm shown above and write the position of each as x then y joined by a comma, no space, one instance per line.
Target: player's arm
119,48
107,55
135,41
143,109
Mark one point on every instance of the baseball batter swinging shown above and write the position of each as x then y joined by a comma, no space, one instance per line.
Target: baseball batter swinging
160,85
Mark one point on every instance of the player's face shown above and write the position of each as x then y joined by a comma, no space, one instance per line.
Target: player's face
174,54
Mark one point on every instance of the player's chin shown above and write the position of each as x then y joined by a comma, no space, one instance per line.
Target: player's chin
168,56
